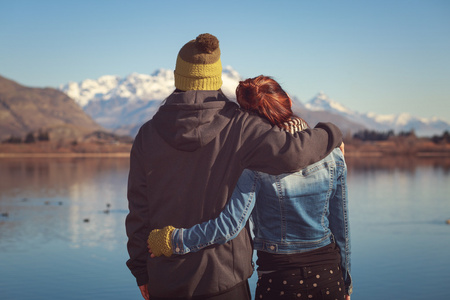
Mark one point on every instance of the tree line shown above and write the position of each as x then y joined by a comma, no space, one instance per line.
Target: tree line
373,135
363,135
29,138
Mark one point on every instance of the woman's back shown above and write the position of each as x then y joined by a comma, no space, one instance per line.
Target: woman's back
292,211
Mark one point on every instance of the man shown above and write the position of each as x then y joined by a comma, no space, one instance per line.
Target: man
184,165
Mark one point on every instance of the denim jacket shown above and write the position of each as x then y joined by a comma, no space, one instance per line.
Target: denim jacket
294,213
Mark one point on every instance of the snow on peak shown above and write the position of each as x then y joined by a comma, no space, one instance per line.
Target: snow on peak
133,87
228,71
395,120
403,119
321,102
137,87
382,119
89,89
230,78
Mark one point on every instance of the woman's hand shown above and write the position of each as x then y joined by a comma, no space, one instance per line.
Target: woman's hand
342,146
144,291
160,241
150,251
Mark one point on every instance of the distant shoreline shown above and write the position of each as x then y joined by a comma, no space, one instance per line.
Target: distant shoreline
383,154
348,154
50,150
353,149
64,154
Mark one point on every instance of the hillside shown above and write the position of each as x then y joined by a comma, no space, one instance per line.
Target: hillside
25,110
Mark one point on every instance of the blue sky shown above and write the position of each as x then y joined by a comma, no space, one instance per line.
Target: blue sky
372,56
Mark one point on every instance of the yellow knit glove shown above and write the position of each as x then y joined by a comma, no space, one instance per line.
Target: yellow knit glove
160,241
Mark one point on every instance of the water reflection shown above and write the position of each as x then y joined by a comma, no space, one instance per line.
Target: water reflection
406,163
54,176
70,199
398,212
64,218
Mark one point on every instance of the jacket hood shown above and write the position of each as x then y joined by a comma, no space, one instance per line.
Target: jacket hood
189,120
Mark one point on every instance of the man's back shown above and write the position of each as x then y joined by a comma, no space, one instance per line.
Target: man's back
190,167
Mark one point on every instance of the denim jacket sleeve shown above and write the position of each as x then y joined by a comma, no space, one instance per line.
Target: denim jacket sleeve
227,225
339,223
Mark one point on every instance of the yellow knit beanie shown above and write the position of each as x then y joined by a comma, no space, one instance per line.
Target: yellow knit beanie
198,65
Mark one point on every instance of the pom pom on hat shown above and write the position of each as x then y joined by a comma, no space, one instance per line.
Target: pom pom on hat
198,64
207,43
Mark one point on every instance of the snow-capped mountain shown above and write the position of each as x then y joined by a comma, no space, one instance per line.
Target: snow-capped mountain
321,102
124,104
397,122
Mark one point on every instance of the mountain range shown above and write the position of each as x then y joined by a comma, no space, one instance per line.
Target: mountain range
119,106
124,104
403,122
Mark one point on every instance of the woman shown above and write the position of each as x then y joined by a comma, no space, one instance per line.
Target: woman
301,230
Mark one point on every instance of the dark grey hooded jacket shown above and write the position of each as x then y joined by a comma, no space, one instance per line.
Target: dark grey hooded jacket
184,165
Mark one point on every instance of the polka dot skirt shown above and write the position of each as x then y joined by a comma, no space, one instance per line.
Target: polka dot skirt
319,282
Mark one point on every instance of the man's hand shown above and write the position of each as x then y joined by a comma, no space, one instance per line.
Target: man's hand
144,291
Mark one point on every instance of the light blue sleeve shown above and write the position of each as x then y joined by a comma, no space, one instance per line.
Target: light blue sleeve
338,218
227,225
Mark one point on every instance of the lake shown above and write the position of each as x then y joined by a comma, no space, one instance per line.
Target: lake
62,232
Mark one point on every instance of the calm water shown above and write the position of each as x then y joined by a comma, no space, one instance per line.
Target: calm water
62,230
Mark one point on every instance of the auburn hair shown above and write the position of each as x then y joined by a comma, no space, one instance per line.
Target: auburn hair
264,96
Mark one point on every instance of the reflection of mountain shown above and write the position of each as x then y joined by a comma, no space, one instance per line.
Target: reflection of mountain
24,110
124,104
358,165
